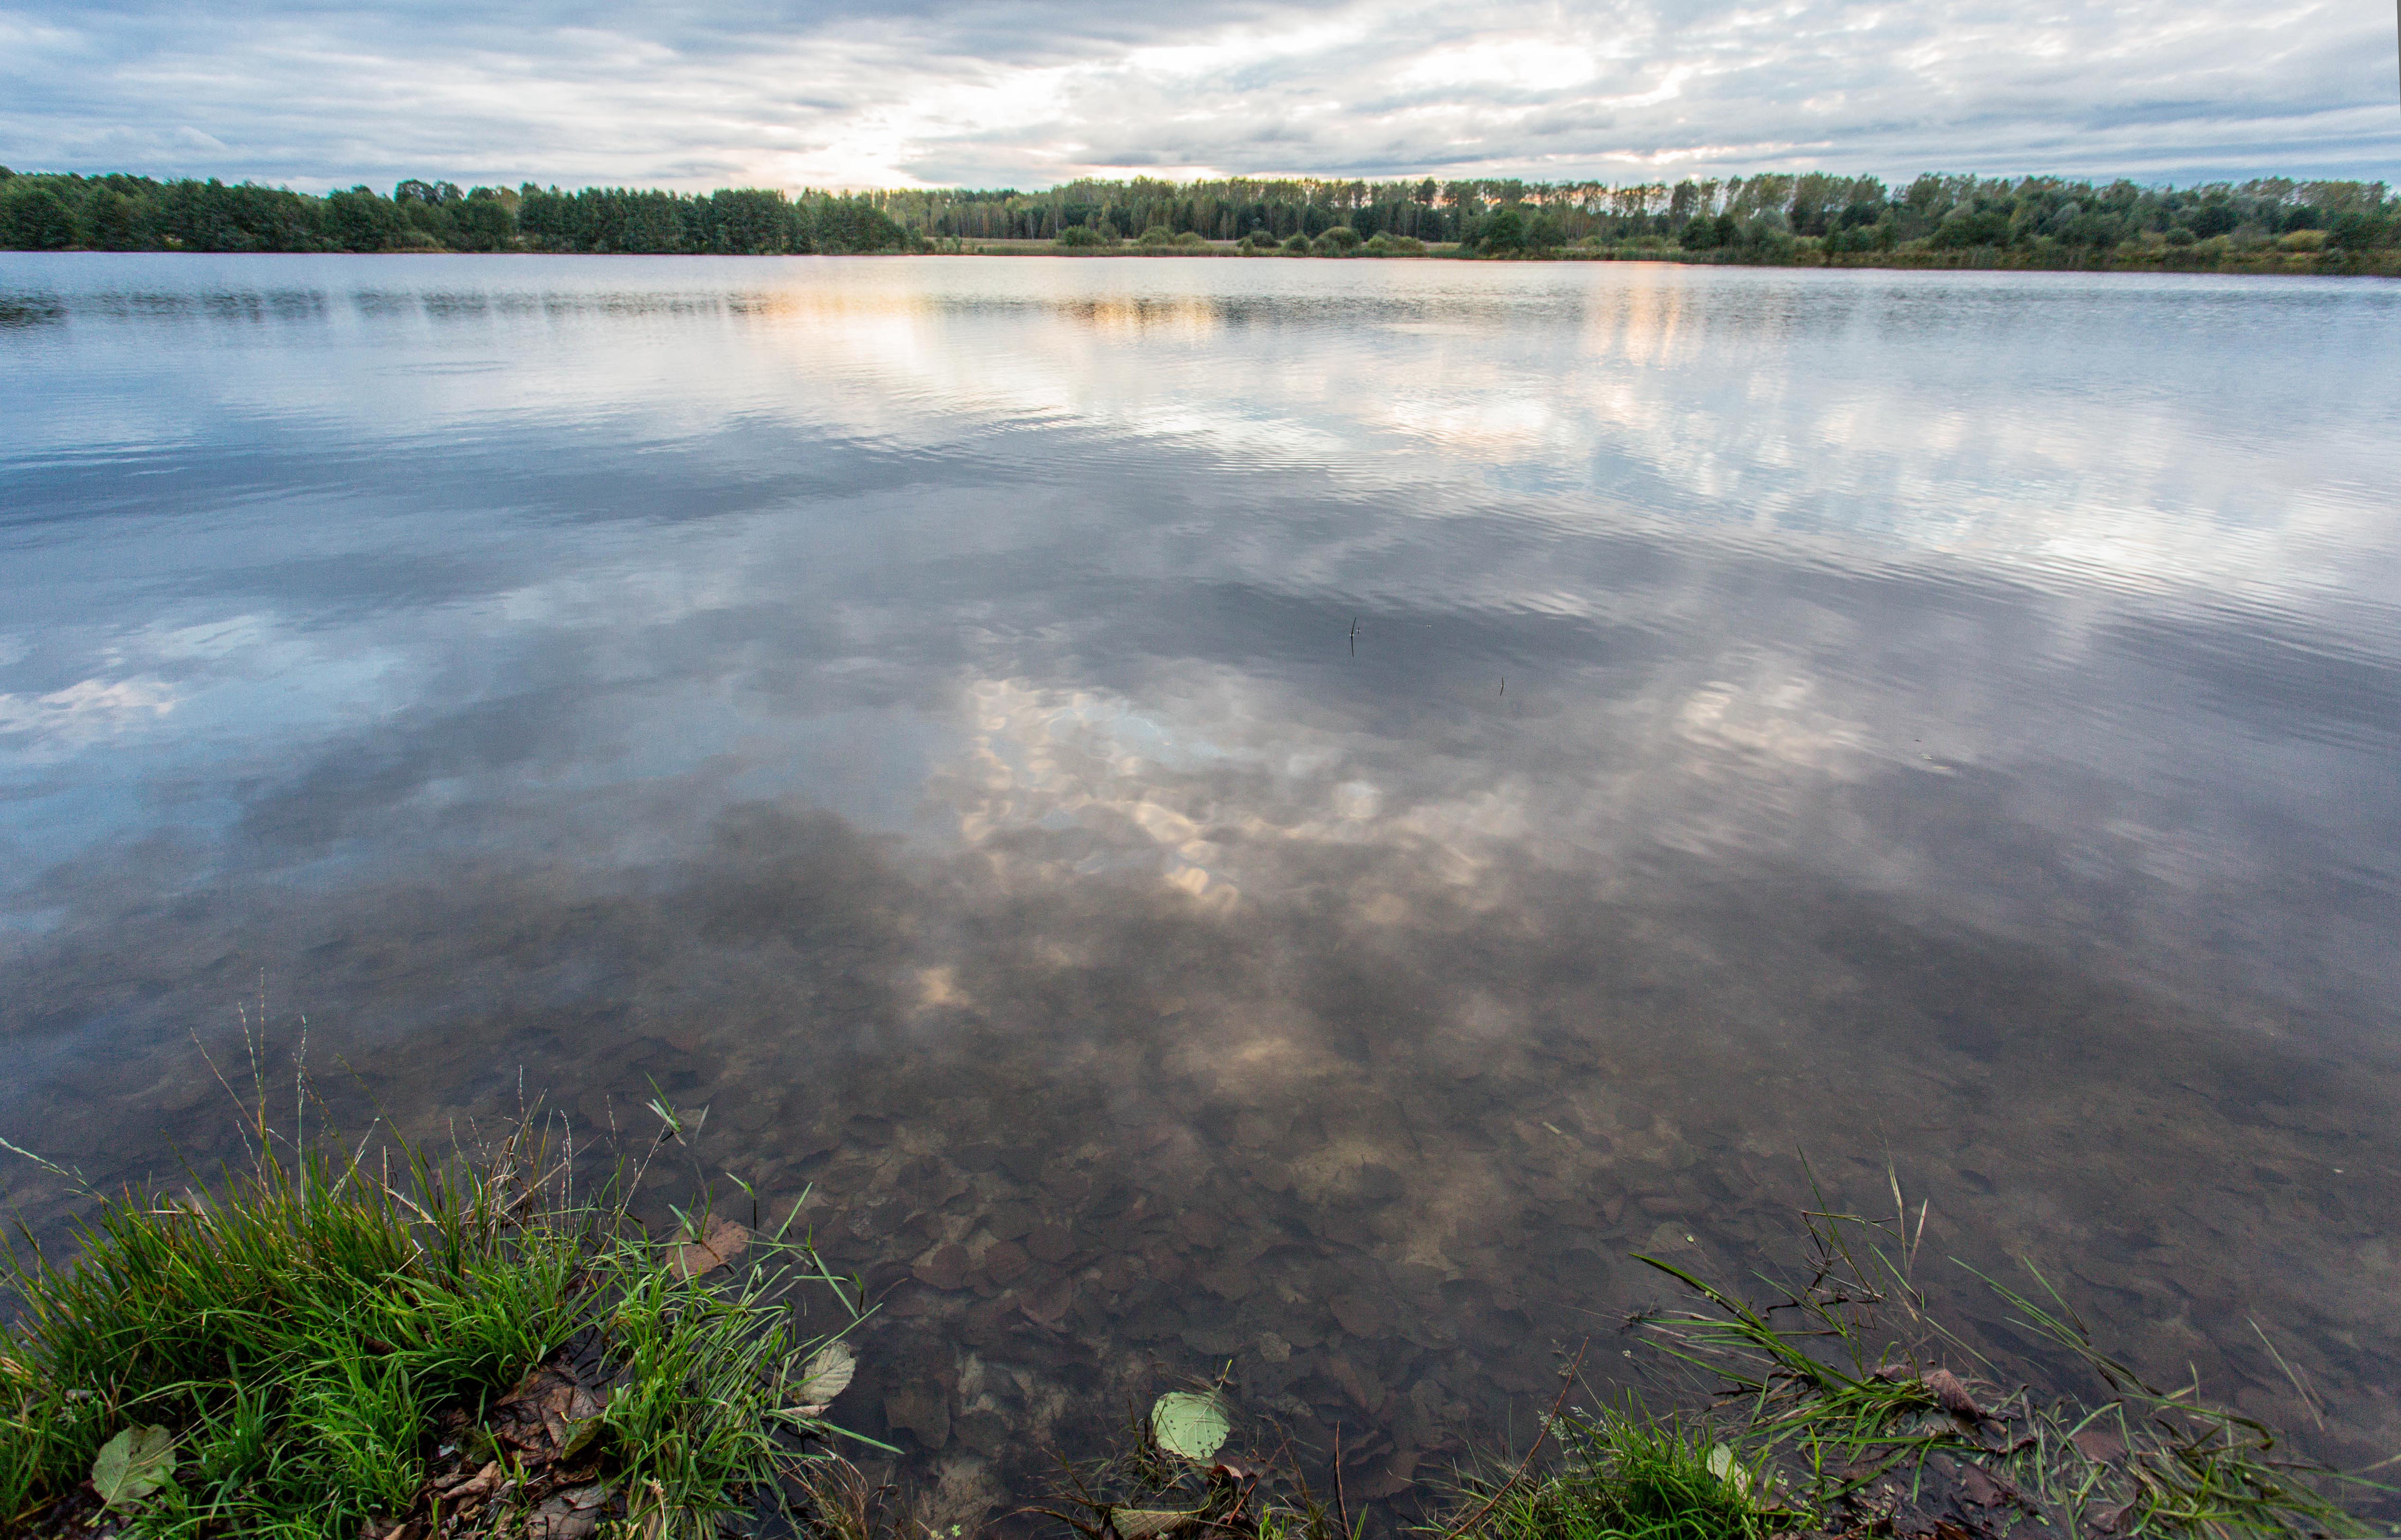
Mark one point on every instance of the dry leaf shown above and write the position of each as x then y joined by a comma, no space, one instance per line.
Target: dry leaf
944,1268
723,1242
468,1489
559,1519
1980,1488
1952,1395
1048,1306
1145,1523
2099,1444
546,1415
826,1375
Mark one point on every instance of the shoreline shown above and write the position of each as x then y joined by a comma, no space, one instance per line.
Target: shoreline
2165,260
2275,263
465,1347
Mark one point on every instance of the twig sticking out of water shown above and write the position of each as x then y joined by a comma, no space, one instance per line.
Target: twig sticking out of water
1567,1384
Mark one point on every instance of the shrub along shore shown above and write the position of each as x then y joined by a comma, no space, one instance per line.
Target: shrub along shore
338,1345
2264,225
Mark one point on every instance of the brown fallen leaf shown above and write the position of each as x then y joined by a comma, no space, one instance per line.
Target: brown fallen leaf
944,1268
1357,1315
471,1488
723,1240
2099,1444
560,1519
1048,1306
1005,1262
544,1415
1051,1243
1977,1487
1952,1397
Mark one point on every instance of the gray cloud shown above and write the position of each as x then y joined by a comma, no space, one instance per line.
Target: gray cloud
1007,91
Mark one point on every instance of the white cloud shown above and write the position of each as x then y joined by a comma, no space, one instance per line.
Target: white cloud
1003,90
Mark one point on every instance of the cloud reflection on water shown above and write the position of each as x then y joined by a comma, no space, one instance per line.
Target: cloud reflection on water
913,706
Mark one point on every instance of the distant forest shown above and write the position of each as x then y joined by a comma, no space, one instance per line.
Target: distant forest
135,213
2273,222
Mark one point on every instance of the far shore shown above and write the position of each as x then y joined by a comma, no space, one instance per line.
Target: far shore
2302,262
2212,257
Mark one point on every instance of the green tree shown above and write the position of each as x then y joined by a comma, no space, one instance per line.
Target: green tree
359,221
2356,230
34,218
111,220
1503,232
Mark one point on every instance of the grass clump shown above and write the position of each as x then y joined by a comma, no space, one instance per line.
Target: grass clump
1627,1475
317,1348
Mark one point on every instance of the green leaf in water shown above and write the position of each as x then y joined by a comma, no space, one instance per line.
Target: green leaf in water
133,1466
1191,1423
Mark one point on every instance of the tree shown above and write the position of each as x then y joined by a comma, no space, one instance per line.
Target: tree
1963,227
1504,231
359,221
36,219
2356,231
110,220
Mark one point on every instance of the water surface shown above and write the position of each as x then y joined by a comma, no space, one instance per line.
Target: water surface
1296,814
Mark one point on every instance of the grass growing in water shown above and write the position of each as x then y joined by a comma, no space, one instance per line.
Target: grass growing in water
331,1349
1831,1410
323,1350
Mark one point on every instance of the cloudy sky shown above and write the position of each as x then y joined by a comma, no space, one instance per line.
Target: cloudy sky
698,93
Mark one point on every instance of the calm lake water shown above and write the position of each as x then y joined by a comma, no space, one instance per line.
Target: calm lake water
1295,813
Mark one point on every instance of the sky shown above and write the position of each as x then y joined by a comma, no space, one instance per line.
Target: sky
1029,93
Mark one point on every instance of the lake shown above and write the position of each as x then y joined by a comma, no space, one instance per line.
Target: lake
1290,815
